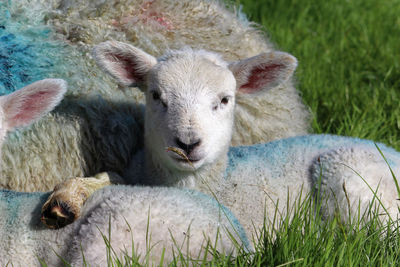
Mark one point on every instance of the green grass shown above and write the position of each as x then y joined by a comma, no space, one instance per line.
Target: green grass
304,240
349,60
349,75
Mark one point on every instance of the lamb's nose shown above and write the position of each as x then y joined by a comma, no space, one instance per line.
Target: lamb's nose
188,148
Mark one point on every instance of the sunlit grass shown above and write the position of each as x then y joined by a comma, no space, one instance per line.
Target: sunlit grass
349,61
304,238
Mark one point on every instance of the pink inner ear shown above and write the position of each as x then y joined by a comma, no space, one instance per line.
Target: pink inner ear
260,77
32,107
126,68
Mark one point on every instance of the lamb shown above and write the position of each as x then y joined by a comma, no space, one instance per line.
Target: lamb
212,25
190,96
177,220
95,125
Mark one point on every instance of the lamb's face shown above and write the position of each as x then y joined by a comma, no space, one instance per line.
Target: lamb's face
190,96
189,106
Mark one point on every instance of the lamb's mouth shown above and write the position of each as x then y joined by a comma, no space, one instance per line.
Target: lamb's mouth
180,156
187,160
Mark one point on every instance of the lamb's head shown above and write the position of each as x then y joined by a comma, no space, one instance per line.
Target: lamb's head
190,96
22,107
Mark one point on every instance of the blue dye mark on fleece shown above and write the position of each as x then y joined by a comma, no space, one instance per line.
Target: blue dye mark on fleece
238,228
24,53
274,155
13,201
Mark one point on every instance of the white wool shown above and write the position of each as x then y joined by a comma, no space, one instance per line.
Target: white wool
194,116
91,126
150,219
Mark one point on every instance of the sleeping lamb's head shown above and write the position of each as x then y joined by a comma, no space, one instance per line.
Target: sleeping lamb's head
22,107
190,96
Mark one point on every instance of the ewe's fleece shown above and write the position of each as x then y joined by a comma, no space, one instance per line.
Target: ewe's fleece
25,239
99,125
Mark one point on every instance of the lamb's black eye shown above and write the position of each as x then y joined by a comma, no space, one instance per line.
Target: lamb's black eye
156,96
224,100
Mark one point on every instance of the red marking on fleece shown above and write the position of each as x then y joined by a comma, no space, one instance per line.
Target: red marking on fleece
260,76
145,15
161,20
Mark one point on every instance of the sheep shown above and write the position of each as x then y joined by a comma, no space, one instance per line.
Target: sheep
190,96
177,220
54,39
96,132
161,25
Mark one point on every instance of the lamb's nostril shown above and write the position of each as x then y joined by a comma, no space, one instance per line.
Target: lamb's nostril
188,148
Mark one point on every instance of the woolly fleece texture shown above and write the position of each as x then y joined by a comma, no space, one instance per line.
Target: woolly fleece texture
177,220
195,117
99,125
167,213
261,178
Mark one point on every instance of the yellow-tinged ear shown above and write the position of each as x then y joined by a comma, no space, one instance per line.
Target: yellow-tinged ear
263,72
127,64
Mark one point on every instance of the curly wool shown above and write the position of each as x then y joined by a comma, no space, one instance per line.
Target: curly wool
158,218
56,38
276,174
158,26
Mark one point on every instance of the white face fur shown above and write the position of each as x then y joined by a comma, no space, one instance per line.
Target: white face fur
190,96
190,101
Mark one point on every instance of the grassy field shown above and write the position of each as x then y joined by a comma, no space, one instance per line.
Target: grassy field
349,75
349,60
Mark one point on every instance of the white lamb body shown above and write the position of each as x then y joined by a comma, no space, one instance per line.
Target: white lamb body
260,175
152,219
262,179
188,125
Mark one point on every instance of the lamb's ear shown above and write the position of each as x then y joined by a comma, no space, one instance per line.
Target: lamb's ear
127,64
31,102
263,72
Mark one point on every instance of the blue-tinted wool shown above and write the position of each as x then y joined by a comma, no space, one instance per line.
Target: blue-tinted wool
26,52
203,198
13,200
274,155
